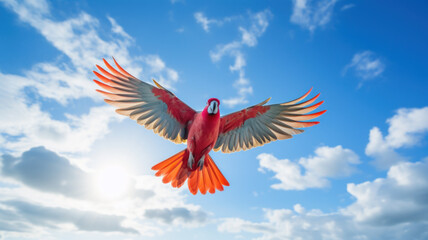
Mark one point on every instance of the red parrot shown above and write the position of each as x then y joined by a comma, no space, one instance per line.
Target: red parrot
158,109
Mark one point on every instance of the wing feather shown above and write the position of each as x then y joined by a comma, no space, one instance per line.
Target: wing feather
261,124
155,108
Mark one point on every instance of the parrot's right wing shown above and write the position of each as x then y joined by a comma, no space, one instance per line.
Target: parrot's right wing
260,124
153,107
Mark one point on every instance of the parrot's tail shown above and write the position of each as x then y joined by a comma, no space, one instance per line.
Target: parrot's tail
205,178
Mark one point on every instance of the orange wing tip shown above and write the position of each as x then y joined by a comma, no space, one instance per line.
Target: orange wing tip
113,70
226,183
122,70
316,105
106,94
317,114
309,101
105,86
308,124
312,108
297,124
307,116
103,71
298,99
102,78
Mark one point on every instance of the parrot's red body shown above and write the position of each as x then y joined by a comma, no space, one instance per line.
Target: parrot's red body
160,110
203,132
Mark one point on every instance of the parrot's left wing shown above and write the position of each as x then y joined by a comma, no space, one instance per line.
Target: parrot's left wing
260,124
153,107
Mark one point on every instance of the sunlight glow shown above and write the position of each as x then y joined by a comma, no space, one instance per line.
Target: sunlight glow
112,182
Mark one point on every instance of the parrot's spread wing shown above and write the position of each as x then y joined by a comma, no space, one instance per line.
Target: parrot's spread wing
259,124
153,107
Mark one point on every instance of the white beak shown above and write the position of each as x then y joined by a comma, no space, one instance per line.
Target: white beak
213,107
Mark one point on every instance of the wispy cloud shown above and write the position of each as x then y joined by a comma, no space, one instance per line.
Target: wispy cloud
206,22
62,81
158,69
52,217
311,14
116,28
74,134
178,215
249,36
366,66
328,162
347,6
406,128
290,224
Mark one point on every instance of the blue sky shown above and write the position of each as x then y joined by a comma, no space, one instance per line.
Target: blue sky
71,168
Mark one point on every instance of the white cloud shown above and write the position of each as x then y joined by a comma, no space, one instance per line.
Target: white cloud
394,207
328,162
299,208
366,65
315,225
28,125
399,198
311,14
347,6
177,215
406,129
331,162
289,224
206,22
249,36
166,76
385,155
50,217
116,28
44,182
26,122
76,134
77,37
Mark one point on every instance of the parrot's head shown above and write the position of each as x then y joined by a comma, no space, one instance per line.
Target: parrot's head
212,106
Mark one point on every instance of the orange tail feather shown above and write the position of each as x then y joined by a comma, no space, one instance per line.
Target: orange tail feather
176,171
